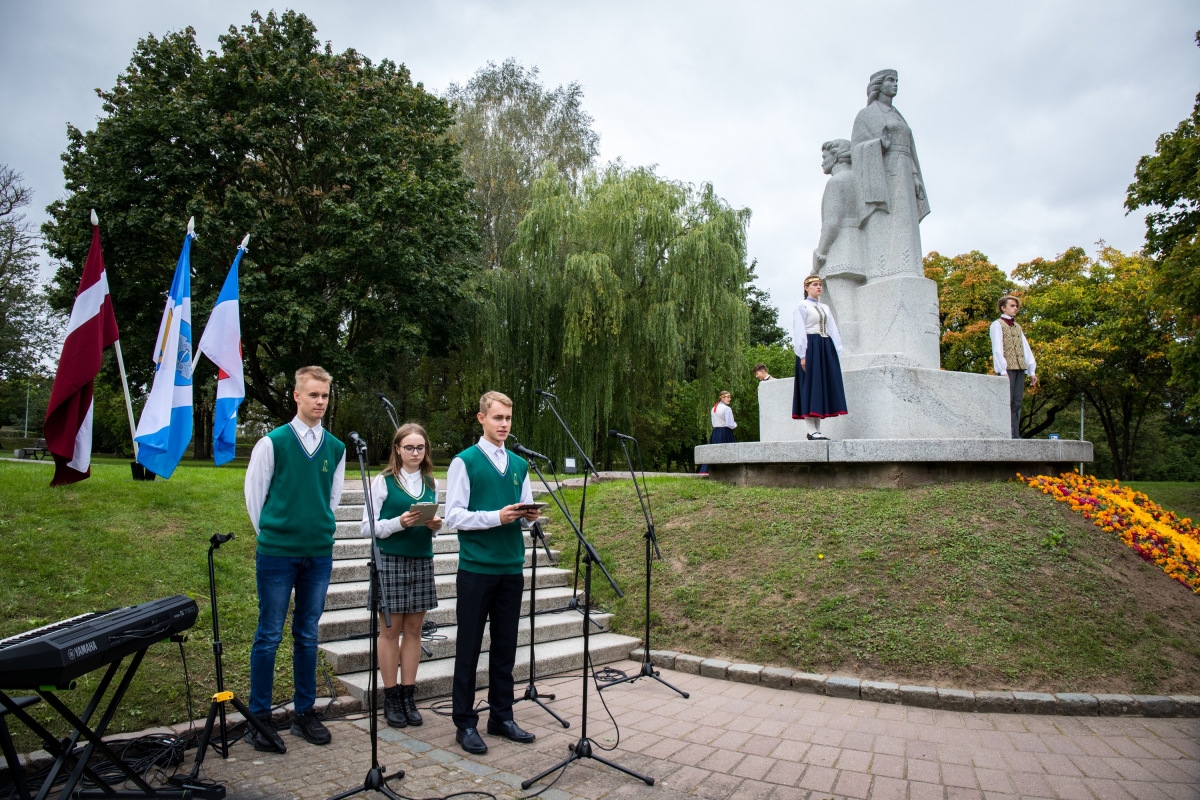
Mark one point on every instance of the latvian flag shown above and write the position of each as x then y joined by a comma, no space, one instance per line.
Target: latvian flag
92,328
222,343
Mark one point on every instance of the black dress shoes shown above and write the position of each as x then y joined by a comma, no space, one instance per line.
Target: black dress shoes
510,731
470,740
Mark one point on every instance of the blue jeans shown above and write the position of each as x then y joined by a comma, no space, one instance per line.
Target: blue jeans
277,576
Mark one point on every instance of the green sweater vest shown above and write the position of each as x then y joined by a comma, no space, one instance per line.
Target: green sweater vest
493,551
296,519
416,542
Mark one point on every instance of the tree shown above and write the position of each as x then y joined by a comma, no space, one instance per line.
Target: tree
510,127
1097,327
764,317
1168,182
969,285
27,333
341,170
637,284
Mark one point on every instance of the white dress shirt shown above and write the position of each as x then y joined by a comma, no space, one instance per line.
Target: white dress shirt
998,360
811,316
722,417
412,482
261,469
458,492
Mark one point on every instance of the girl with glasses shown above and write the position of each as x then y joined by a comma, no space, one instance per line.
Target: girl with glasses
406,568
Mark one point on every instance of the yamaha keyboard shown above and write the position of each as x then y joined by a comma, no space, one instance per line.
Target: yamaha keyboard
57,654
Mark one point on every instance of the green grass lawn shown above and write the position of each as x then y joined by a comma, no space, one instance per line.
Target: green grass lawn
974,585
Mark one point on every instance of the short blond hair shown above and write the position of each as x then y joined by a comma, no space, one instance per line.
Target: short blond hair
316,373
488,398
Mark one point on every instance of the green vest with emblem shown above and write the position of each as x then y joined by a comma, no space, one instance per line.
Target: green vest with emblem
415,542
501,550
296,519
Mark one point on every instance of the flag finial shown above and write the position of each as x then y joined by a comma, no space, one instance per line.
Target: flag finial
192,225
245,245
95,219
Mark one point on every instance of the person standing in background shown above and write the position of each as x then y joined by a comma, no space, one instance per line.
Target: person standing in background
1012,357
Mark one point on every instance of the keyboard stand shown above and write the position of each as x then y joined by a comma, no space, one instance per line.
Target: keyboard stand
64,751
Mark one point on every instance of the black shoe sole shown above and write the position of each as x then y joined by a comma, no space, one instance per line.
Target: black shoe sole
503,735
403,724
298,731
280,748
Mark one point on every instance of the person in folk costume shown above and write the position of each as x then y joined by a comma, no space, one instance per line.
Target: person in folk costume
818,392
293,487
1012,357
406,566
488,500
722,424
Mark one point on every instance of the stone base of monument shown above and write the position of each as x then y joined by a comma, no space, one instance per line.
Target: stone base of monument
892,463
897,402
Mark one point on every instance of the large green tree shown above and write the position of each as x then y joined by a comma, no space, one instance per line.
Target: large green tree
1098,327
510,126
27,333
1168,183
615,296
341,169
968,287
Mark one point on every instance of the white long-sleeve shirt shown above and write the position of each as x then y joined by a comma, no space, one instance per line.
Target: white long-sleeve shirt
261,469
458,492
412,482
998,361
812,316
722,417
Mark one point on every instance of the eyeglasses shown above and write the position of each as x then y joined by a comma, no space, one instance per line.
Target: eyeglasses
412,448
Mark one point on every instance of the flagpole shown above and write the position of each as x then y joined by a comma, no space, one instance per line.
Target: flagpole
128,402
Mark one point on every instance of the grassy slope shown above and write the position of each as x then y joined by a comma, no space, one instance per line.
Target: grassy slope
1182,498
960,585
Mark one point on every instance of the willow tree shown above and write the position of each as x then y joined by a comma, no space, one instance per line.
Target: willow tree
613,296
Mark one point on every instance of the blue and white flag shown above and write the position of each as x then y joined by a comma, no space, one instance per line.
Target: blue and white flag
165,429
222,343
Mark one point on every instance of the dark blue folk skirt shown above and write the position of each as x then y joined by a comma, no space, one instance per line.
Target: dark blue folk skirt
722,435
818,390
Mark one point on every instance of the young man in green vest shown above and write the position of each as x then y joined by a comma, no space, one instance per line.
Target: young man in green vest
485,487
293,484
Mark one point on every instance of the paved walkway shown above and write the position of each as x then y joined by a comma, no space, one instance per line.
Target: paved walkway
732,740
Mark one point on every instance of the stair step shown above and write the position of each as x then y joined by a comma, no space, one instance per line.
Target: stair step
348,623
435,678
353,655
355,569
360,547
348,595
353,494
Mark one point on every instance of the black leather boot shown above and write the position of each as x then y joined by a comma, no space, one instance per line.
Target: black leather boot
393,707
409,703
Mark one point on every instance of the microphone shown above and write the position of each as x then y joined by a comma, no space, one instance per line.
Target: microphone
618,435
525,451
385,401
544,393
358,441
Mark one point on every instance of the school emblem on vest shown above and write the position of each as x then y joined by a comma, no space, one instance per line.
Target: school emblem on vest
325,465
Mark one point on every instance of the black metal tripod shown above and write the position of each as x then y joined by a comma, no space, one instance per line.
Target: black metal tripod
376,780
531,692
584,747
217,707
647,669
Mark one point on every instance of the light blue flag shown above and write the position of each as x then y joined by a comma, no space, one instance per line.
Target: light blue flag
165,429
222,343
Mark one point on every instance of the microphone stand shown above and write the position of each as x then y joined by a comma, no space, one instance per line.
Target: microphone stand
589,468
647,670
376,780
584,747
531,693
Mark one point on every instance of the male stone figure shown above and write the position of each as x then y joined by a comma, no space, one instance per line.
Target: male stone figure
838,258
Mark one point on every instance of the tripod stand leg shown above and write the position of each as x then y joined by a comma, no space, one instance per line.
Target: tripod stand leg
258,724
644,778
560,765
205,736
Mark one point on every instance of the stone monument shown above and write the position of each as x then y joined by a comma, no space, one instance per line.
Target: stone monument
903,408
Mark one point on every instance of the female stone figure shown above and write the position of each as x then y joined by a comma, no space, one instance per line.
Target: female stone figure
838,259
890,188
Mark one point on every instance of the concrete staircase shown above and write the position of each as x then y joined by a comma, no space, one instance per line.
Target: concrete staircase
345,623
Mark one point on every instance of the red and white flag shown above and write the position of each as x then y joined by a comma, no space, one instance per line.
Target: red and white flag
92,328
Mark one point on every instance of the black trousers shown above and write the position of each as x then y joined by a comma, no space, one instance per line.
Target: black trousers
480,597
1016,394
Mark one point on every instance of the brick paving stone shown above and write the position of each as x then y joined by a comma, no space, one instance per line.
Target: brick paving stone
1106,789
926,791
958,775
754,767
888,789
1068,788
854,761
821,756
818,778
924,771
853,784
787,773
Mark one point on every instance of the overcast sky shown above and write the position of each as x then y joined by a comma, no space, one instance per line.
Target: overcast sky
1029,117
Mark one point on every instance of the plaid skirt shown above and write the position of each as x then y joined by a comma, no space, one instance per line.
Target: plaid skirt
407,584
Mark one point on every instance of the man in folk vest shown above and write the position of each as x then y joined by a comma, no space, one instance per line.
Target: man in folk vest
293,485
486,486
1011,356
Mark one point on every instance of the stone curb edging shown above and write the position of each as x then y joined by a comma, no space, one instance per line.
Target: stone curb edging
39,759
1077,704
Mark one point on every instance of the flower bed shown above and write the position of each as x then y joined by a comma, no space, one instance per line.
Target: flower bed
1151,531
